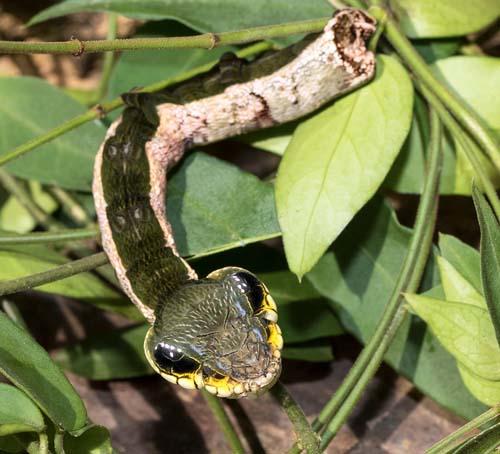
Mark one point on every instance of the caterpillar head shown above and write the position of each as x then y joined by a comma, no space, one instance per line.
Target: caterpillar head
220,333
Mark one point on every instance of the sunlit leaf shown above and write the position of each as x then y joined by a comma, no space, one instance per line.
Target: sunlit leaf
465,331
337,160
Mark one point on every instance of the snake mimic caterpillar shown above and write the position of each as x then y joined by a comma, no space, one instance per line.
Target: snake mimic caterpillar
219,332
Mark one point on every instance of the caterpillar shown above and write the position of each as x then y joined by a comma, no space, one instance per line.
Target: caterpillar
219,332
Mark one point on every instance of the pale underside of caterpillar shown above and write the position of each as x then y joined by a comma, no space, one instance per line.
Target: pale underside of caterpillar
219,332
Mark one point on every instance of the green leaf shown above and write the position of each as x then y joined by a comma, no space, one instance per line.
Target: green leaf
18,413
319,351
107,356
431,19
274,140
473,80
11,443
337,160
486,391
14,217
213,206
92,440
66,161
462,257
490,257
464,330
358,279
436,49
18,261
214,16
456,287
143,67
30,368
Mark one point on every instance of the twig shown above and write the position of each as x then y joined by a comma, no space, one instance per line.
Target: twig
203,41
55,274
61,236
306,438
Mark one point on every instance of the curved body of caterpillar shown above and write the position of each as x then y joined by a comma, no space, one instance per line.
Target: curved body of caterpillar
219,332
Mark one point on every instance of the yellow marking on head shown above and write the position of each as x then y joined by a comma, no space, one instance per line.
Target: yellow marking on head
275,339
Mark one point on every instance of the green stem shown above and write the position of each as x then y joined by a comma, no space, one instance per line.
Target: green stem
220,415
72,208
43,443
107,64
306,438
466,116
203,41
61,236
94,113
60,272
17,190
419,247
470,150
452,440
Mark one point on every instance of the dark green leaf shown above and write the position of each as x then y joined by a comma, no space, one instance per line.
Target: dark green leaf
214,206
214,16
319,351
107,356
66,161
337,160
303,314
358,278
436,49
18,413
431,19
490,257
30,368
463,257
93,440
11,443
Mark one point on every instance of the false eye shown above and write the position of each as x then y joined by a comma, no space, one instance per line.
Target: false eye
171,359
252,288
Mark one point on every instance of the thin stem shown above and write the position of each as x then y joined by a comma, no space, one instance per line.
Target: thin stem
55,274
465,116
61,236
107,64
372,355
306,438
109,106
17,190
469,148
43,444
451,440
203,41
72,208
227,427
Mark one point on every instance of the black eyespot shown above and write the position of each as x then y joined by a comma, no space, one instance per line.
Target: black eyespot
252,288
171,359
